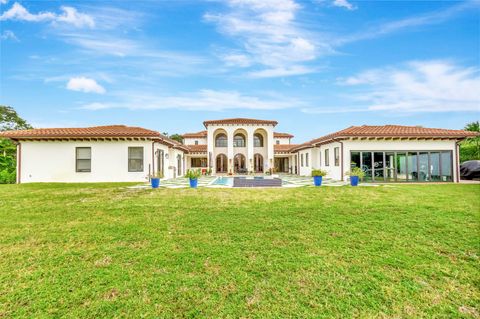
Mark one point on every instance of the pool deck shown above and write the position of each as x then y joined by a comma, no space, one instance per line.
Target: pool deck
289,181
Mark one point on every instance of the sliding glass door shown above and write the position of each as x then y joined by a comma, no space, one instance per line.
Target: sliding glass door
400,166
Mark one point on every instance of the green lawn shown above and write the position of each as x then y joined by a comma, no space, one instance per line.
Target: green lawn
103,251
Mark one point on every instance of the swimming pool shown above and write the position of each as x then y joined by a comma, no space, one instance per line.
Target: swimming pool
223,181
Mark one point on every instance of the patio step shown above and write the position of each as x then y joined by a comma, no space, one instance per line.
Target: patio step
257,182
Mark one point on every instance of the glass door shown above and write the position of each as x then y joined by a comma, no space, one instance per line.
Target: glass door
378,169
389,166
423,175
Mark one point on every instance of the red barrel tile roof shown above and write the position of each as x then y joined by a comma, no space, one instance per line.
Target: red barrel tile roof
197,148
95,131
194,135
284,135
283,148
389,131
240,120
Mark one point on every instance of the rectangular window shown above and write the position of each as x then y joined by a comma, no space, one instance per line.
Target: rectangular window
306,160
301,157
336,154
135,159
327,157
83,159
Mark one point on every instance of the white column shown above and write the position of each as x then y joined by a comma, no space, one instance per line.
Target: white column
250,150
270,143
230,150
210,149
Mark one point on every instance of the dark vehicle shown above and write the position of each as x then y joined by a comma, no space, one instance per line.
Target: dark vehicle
470,170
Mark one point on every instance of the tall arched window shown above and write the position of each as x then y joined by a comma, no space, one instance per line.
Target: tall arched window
239,140
258,140
221,140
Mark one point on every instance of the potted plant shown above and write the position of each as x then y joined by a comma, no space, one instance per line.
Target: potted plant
193,175
355,174
155,179
317,175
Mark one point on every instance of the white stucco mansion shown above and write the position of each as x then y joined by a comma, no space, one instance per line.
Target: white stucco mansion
118,153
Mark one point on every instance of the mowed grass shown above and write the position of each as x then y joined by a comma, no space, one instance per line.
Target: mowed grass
105,251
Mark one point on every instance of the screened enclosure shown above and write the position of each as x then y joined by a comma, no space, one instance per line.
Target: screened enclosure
404,166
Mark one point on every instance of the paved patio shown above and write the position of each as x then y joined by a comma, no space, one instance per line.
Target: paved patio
206,181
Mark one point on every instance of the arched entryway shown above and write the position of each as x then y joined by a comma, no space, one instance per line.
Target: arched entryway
221,163
258,163
240,163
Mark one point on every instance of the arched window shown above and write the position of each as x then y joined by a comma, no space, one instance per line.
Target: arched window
257,140
239,140
221,140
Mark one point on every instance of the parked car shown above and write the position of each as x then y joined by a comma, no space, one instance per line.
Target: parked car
470,170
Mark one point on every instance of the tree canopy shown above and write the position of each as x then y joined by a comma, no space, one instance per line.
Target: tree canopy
9,120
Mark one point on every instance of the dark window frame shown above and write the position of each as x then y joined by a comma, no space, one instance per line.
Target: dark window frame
89,170
417,165
130,169
239,140
327,157
221,140
258,140
336,156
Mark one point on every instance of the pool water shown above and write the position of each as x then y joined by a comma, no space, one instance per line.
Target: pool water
223,181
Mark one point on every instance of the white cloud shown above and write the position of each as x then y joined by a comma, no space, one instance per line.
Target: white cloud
86,85
203,100
281,72
3,1
344,4
269,37
18,12
72,16
419,86
429,18
237,60
8,34
69,16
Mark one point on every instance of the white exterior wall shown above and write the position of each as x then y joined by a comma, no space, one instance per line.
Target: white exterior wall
281,140
317,155
191,141
249,151
305,170
333,171
55,161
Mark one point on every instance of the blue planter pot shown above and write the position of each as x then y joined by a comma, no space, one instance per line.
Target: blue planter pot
155,182
317,180
193,182
354,180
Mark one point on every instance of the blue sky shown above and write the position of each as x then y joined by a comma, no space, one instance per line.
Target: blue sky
314,66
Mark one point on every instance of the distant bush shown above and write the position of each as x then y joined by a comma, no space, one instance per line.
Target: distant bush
469,150
7,177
